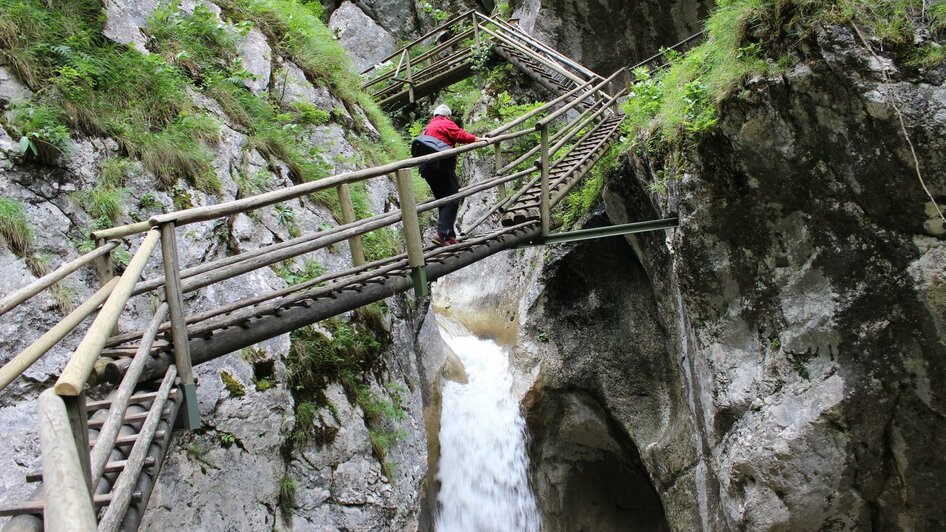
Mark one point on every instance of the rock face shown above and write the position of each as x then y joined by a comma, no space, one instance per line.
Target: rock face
605,35
367,43
783,368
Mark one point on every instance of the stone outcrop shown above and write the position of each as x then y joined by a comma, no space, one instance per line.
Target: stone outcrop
367,43
796,307
605,35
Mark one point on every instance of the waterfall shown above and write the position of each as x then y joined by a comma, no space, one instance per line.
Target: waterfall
483,477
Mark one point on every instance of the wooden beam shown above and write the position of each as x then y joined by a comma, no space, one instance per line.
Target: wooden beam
60,273
21,362
68,499
77,371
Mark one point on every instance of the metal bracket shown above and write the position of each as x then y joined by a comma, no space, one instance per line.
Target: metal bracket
189,417
602,232
419,282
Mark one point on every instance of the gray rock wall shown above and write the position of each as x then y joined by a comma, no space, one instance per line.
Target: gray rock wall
228,474
801,292
605,35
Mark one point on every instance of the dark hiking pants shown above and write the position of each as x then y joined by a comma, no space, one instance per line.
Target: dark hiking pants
443,183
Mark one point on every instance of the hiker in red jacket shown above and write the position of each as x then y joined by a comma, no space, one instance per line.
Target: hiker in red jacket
442,177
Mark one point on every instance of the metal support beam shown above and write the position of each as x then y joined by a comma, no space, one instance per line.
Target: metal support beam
415,244
603,232
348,216
182,356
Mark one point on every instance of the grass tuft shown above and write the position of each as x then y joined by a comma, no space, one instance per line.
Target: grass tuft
15,230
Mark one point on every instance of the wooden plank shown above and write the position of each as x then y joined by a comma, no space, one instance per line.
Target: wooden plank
68,496
131,438
116,413
77,371
111,467
121,231
21,362
140,398
60,273
175,300
124,486
38,507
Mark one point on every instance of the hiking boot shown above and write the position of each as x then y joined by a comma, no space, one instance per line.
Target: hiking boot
441,240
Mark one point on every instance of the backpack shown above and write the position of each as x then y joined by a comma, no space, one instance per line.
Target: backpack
425,145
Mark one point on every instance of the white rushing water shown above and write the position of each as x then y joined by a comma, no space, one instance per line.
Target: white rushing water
483,463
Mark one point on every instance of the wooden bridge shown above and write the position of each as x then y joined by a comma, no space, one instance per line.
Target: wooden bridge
101,458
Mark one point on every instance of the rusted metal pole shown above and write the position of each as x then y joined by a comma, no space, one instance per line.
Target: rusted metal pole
544,206
182,357
348,216
415,244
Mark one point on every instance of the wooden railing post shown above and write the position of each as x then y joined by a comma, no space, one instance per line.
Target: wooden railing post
182,356
498,158
410,78
68,500
544,205
103,264
348,216
79,423
415,245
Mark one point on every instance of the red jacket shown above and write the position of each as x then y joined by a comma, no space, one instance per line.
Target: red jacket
444,129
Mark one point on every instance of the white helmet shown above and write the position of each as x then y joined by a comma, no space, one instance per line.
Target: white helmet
442,110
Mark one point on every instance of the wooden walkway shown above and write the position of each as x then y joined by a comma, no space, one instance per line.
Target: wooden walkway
114,448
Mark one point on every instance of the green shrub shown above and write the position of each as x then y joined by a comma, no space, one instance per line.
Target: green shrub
309,114
41,129
381,243
14,227
114,171
103,200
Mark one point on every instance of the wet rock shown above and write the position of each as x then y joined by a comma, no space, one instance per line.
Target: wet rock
366,42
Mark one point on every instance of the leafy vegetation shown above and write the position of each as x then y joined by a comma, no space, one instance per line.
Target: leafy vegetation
287,495
348,354
41,129
294,275
100,87
301,35
14,227
749,37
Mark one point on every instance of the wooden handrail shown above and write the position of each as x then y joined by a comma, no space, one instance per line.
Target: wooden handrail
210,212
68,502
21,362
44,282
77,371
105,440
420,39
564,109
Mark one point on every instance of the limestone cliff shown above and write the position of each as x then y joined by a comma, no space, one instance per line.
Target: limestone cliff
776,362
